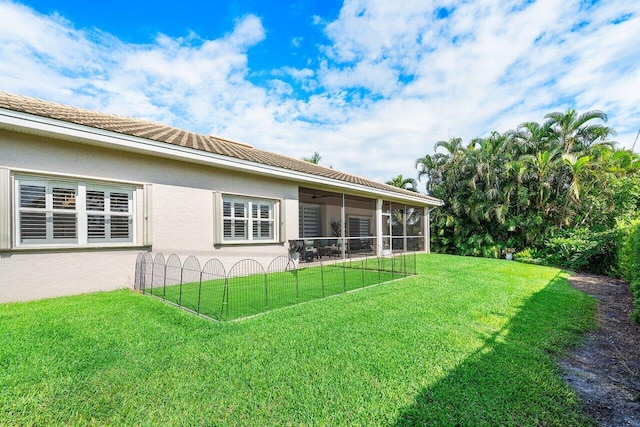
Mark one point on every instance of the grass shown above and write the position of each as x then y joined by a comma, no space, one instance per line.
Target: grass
251,294
465,342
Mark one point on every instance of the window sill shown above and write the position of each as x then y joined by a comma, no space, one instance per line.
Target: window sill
61,248
249,243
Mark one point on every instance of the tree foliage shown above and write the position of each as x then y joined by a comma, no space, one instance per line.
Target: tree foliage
523,188
404,183
315,158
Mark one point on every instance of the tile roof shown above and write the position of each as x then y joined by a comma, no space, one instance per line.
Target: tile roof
170,135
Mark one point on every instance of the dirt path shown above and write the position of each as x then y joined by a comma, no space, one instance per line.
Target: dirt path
605,371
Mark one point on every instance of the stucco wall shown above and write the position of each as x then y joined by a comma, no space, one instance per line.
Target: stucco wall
182,217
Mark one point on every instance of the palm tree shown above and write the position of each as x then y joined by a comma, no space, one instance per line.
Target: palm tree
531,137
315,158
574,133
404,183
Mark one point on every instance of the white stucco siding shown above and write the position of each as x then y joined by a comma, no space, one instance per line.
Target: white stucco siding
182,219
181,216
29,276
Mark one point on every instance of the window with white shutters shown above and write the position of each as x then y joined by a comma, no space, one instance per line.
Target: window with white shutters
63,212
47,212
248,219
109,215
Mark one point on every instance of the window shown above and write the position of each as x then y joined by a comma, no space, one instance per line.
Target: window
309,221
109,215
60,212
47,212
359,227
247,219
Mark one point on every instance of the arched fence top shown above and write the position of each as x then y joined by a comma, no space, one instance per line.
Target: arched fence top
245,267
159,259
139,273
214,268
174,261
281,263
147,257
191,263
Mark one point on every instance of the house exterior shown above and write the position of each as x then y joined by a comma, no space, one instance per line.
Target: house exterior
83,192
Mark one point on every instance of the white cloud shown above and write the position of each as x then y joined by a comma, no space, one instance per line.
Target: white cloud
391,81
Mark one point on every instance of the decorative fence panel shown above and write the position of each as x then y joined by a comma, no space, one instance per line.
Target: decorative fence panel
213,290
248,288
191,283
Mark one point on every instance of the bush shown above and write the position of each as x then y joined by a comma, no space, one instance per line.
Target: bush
628,261
583,249
528,255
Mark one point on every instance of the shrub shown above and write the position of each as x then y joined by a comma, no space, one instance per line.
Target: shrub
528,255
628,261
583,249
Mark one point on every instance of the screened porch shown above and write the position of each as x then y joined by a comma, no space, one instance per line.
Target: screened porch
338,225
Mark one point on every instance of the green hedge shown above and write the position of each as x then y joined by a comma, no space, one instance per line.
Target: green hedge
592,250
628,261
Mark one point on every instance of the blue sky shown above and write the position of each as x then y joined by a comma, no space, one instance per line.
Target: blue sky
370,85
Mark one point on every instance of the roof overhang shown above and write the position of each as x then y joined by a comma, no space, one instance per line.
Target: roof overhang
51,128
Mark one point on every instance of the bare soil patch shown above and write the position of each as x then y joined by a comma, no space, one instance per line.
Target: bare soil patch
605,371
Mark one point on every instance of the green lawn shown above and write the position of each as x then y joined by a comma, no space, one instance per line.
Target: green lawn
467,341
249,295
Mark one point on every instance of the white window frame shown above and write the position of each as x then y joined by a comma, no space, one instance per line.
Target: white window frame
249,220
109,214
82,235
50,211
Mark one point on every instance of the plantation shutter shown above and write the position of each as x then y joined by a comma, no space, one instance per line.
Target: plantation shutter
309,223
47,212
359,227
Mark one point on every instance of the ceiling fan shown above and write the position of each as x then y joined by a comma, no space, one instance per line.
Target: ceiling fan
319,196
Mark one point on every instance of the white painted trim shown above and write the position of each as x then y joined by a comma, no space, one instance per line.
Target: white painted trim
147,205
379,203
250,201
80,186
5,208
43,126
73,178
427,230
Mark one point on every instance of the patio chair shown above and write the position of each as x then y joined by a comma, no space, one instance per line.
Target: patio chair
310,250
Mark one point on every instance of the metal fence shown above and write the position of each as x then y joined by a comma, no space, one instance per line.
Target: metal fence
248,288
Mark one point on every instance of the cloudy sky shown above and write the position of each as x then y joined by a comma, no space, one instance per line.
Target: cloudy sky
370,85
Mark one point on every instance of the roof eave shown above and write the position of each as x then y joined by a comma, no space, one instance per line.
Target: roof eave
43,126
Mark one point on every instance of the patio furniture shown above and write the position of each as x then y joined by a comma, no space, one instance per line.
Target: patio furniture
310,251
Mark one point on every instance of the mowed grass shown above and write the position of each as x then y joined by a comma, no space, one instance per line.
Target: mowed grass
465,342
252,294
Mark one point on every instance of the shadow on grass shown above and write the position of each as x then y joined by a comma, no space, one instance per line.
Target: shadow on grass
513,379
